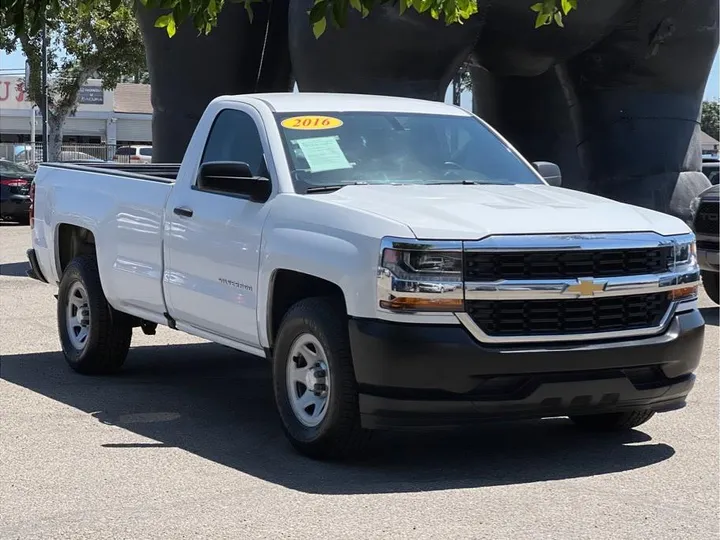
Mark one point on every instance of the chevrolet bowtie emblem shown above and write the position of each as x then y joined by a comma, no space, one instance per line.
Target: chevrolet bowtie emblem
585,287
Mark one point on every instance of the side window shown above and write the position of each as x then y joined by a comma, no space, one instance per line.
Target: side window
234,137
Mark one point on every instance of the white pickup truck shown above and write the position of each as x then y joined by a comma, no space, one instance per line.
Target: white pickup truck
396,260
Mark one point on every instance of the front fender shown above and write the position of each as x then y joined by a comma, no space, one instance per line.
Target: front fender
349,261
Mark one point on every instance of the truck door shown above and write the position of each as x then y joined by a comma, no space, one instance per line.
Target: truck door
212,244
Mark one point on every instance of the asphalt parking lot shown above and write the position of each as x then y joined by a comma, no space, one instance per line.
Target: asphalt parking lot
185,443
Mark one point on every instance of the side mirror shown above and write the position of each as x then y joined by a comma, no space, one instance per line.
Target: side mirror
549,171
233,178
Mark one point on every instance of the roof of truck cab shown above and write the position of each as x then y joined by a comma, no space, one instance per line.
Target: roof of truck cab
319,102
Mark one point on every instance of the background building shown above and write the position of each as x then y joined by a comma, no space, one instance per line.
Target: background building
104,119
709,144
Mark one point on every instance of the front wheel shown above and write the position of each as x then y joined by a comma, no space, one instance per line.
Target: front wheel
95,338
619,421
711,282
315,389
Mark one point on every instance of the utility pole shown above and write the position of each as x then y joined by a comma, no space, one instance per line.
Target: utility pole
46,112
456,89
32,134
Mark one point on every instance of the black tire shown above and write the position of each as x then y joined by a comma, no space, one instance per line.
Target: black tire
710,282
338,435
109,331
24,219
618,421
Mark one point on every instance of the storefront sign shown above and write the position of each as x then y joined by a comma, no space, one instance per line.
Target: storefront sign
91,95
13,95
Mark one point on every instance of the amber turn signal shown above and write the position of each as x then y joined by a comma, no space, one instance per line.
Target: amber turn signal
422,304
684,292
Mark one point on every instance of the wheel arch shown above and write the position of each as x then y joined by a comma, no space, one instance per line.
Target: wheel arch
71,241
287,287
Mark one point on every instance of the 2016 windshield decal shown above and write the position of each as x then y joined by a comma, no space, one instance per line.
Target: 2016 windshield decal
311,122
236,284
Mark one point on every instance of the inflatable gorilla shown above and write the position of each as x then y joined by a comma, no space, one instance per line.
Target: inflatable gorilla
614,97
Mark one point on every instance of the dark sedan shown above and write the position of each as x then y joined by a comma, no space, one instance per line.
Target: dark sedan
15,183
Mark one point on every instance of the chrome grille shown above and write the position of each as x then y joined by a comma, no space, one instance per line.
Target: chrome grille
503,318
494,266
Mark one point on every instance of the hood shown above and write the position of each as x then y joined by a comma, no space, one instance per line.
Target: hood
471,212
713,192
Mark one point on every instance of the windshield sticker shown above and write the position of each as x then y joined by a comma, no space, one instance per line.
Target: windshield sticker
311,122
323,154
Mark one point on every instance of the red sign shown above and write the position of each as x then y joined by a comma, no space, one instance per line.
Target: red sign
12,90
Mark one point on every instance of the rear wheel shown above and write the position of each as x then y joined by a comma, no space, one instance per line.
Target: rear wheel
710,282
95,338
315,389
618,421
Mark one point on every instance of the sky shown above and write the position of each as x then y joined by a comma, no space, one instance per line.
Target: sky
14,64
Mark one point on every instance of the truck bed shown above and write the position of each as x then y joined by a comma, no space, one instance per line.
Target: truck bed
124,205
162,172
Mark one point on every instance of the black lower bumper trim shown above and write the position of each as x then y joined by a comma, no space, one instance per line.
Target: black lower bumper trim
422,376
34,271
549,400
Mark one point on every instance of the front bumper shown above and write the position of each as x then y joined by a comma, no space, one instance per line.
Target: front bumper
431,377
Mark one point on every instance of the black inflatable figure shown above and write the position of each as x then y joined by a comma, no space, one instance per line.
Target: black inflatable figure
614,97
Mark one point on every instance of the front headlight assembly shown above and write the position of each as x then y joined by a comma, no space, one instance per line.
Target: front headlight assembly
684,253
685,266
420,277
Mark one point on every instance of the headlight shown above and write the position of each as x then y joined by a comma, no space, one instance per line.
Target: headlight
435,265
420,277
685,253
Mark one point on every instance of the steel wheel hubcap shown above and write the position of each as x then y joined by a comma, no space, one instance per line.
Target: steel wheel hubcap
308,380
77,318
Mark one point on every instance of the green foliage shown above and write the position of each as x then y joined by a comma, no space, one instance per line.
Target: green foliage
29,14
710,118
98,40
548,11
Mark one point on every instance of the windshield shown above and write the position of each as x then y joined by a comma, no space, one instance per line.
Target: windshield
335,149
8,167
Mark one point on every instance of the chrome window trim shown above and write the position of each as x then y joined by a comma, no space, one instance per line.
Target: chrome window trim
482,337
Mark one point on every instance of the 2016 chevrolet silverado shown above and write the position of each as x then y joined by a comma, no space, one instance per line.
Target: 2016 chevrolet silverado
398,262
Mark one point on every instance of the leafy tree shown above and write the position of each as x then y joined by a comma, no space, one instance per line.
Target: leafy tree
203,13
100,40
710,118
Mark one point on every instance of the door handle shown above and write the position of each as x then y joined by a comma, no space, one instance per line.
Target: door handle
183,211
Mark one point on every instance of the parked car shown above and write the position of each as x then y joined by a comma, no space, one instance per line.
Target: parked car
711,168
133,154
705,211
75,156
15,180
406,267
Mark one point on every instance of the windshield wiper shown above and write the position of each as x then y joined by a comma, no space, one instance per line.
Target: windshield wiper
461,182
325,189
